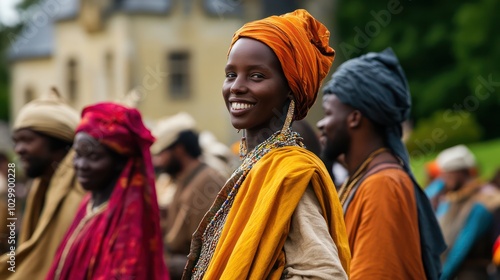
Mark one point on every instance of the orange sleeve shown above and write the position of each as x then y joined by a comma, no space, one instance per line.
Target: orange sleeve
382,226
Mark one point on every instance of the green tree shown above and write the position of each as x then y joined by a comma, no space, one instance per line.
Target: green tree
6,35
4,70
449,50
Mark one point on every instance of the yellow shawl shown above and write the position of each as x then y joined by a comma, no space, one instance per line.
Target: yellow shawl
252,240
39,241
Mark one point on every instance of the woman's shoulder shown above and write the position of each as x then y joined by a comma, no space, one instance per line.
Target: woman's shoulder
290,160
293,154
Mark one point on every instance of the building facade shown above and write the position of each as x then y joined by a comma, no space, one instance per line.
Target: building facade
165,56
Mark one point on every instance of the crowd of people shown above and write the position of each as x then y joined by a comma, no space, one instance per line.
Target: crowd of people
110,198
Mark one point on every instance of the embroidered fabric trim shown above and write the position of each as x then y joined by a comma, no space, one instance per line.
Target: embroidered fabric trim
214,229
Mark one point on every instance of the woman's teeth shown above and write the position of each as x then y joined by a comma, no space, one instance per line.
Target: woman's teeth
240,106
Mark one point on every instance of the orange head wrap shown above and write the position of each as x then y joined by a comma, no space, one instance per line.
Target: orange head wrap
301,44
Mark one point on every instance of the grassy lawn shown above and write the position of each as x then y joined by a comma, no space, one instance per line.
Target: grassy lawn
487,155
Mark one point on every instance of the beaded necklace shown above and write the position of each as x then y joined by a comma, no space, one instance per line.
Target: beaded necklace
346,188
214,229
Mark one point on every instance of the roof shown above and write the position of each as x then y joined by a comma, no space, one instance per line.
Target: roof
36,40
33,42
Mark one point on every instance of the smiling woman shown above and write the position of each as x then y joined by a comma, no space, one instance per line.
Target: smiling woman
279,214
116,232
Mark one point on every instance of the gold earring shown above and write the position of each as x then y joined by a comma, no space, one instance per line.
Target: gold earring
243,145
289,117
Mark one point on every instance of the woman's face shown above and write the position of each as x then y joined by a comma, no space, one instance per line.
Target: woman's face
255,89
95,165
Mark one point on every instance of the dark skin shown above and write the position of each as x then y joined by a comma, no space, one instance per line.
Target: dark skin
97,167
310,137
454,180
255,90
345,131
38,159
174,160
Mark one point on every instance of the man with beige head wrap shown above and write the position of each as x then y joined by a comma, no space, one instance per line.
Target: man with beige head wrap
43,134
468,212
177,152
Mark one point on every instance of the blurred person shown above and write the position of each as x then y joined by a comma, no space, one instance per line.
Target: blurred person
495,182
434,186
339,172
495,272
4,230
496,179
278,216
392,230
468,214
432,171
177,152
217,155
309,136
166,131
116,231
43,133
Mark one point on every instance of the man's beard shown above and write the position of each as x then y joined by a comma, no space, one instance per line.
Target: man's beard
173,168
333,149
36,167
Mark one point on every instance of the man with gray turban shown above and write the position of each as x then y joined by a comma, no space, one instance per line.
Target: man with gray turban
393,233
43,135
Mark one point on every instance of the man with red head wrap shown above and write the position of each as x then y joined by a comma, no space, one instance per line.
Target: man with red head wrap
116,232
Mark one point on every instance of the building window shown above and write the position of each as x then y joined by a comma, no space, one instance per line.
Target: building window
179,78
29,94
72,80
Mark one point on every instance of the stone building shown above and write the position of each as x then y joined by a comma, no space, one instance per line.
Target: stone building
171,52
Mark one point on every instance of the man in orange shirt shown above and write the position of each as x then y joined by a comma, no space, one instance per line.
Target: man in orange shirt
392,231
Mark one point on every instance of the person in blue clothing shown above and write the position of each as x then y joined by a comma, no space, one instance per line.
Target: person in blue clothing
468,213
434,184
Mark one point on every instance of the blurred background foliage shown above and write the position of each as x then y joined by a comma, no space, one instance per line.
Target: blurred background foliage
450,52
7,35
442,130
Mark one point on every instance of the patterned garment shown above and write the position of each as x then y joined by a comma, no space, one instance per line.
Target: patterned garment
235,242
121,239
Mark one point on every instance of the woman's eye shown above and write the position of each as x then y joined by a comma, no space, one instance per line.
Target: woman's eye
257,76
230,75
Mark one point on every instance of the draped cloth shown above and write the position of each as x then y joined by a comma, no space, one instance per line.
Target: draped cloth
43,229
252,240
122,239
301,44
376,85
50,206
